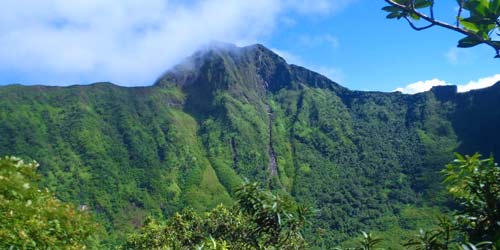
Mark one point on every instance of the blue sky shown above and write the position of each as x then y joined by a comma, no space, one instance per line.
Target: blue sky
131,42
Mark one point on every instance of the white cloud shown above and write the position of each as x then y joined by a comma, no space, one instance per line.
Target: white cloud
422,86
479,84
129,42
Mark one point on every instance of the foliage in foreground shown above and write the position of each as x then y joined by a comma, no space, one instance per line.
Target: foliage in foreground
34,219
259,220
480,25
475,183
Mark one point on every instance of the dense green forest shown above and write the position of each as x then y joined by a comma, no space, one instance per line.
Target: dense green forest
34,219
361,160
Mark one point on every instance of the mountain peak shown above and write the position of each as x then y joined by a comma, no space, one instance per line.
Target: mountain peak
225,66
223,47
219,57
218,48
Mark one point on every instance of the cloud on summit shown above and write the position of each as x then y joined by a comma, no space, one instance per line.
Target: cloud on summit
129,42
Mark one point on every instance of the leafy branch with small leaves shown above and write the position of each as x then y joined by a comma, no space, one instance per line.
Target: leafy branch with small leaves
33,218
259,220
475,184
478,20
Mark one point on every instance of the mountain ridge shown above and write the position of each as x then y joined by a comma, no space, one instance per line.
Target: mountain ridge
360,158
227,49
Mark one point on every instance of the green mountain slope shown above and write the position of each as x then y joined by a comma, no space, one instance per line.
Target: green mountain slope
226,114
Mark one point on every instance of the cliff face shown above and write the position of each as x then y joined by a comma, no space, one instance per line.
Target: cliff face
231,113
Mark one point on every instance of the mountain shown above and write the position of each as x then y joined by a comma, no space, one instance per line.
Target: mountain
364,160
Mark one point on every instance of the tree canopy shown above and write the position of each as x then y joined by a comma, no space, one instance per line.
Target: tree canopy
475,184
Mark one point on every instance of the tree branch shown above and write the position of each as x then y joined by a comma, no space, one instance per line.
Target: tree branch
433,22
412,25
459,14
432,9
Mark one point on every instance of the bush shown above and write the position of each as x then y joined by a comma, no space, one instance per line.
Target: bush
34,219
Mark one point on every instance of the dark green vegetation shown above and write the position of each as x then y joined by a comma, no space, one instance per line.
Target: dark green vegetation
475,184
477,20
32,218
364,160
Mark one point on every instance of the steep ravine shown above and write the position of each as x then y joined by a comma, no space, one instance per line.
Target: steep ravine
273,164
235,155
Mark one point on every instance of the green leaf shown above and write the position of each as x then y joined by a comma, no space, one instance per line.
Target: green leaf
414,16
468,42
391,9
394,15
471,26
477,7
419,4
495,7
